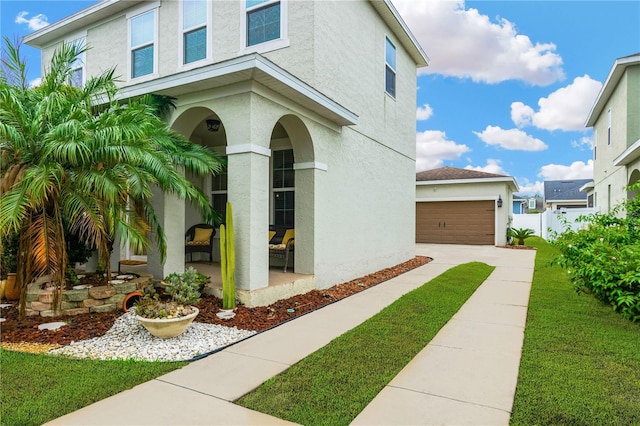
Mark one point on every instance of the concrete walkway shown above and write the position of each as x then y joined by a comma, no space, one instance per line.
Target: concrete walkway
466,375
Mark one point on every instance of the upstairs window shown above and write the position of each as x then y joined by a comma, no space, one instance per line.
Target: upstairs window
194,30
609,126
263,21
76,79
390,68
142,43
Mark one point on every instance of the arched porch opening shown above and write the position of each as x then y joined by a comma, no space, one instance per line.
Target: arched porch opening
634,177
292,189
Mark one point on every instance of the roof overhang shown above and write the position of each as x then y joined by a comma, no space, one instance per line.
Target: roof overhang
80,20
619,67
392,18
253,67
587,187
509,180
630,154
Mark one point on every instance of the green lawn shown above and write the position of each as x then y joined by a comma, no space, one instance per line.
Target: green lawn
40,388
334,384
581,361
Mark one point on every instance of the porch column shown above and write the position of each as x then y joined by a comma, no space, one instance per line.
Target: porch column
305,214
170,211
248,185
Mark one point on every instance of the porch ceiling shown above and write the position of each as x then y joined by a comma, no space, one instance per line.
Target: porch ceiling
253,67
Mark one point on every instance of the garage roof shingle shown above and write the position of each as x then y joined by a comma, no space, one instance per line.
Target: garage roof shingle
452,173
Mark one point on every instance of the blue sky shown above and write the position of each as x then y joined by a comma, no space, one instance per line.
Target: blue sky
509,86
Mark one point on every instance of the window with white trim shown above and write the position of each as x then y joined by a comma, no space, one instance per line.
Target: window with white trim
609,126
194,30
76,79
532,203
390,68
142,30
263,21
283,188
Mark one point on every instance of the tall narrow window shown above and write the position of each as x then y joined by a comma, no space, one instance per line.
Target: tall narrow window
283,188
76,79
143,34
390,68
194,30
219,193
608,198
609,126
595,144
263,21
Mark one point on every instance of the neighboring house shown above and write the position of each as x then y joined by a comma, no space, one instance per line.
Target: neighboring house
615,118
461,206
312,102
565,194
519,205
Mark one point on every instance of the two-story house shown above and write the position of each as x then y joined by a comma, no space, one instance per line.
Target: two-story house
312,102
615,118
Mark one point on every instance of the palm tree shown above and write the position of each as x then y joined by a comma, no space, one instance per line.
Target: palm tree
81,157
520,234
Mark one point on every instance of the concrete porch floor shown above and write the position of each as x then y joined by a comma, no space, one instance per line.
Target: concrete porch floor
281,284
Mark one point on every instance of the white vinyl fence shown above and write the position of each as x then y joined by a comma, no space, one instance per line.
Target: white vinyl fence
550,220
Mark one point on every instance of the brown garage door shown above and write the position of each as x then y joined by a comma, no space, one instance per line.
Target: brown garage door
455,222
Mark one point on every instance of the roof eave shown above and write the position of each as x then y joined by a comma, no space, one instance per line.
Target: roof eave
392,18
79,20
630,154
619,66
507,179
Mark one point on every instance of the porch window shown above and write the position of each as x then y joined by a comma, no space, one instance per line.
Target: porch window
263,21
142,30
219,193
283,188
194,30
390,68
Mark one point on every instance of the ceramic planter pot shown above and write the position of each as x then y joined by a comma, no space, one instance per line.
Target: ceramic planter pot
11,290
167,328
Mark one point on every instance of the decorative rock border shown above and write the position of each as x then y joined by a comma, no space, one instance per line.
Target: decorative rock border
107,298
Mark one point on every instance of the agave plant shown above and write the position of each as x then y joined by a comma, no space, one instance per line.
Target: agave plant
82,157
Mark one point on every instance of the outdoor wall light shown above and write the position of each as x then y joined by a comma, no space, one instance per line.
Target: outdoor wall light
499,201
213,125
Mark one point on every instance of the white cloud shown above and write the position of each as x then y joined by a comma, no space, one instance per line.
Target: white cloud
424,112
34,23
511,139
565,109
467,44
492,166
35,82
577,170
584,143
432,148
530,188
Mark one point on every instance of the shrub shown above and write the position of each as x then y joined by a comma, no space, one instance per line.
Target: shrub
603,258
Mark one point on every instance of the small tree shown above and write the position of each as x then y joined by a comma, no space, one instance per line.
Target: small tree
521,234
66,159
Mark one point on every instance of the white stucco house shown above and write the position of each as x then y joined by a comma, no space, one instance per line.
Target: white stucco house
461,206
615,118
315,102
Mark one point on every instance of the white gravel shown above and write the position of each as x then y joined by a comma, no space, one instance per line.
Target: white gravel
127,339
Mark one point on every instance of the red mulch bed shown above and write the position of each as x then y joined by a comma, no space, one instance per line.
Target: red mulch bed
86,326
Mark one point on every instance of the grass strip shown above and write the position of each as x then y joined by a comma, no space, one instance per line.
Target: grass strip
39,388
581,361
334,384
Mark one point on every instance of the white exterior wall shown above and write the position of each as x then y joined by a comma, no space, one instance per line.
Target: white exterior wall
604,172
435,191
363,203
